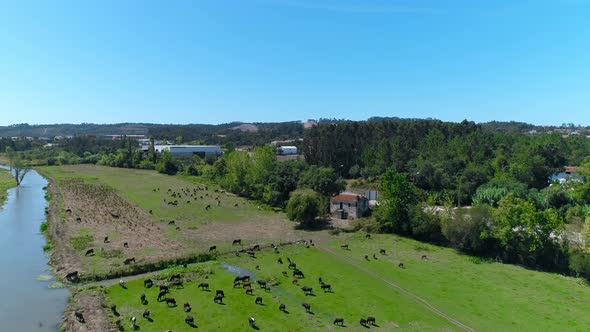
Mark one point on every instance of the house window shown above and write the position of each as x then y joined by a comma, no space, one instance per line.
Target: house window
340,205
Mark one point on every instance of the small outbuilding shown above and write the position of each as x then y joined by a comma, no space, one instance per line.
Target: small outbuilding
349,206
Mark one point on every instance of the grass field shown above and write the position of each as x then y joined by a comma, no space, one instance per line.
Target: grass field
481,296
141,200
6,182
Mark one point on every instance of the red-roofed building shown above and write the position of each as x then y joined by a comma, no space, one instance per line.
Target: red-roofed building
348,206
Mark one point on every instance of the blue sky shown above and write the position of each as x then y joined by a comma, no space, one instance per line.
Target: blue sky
215,61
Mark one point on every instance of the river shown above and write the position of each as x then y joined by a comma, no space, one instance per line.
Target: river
26,304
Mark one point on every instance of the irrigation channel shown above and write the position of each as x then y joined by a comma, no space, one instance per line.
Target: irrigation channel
28,302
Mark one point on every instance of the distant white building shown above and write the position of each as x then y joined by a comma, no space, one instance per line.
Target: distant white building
287,150
184,150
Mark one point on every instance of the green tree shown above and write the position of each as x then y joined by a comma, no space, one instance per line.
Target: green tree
305,206
398,199
323,180
17,165
167,164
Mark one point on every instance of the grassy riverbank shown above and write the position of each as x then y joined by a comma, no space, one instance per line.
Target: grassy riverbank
6,182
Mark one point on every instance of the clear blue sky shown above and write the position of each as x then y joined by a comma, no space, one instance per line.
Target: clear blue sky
214,61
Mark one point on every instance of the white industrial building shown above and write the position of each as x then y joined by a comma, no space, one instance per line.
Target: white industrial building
183,150
287,150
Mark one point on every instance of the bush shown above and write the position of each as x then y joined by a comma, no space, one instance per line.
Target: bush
464,228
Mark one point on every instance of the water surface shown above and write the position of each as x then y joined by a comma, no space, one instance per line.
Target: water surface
26,304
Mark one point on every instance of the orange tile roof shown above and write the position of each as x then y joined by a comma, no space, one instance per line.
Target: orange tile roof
345,198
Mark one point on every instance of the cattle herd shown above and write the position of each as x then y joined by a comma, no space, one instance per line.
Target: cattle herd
245,281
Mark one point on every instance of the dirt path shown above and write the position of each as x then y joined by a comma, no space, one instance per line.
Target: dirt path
320,239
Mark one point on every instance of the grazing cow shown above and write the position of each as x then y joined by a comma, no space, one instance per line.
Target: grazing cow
114,309
298,273
133,323
171,301
207,207
424,257
249,291
212,248
292,266
219,292
142,298
326,287
257,267
251,322
129,261
401,265
150,212
89,252
218,299
368,236
367,257
320,280
295,281
164,288
161,295
236,205
262,283
251,254
177,228
307,290
307,306
106,239
339,321
126,244
344,246
189,320
280,260
176,276
204,286
371,320
258,300
187,307
172,222
282,307
374,256
122,283
79,316
68,210
79,219
247,284
148,283
382,251
236,242
146,314
363,322
256,247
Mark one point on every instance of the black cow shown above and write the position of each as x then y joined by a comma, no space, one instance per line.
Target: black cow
146,314
339,321
189,320
218,299
89,252
187,307
262,283
236,241
219,292
326,288
79,316
298,273
129,261
307,307
282,307
258,300
171,301
212,248
204,286
148,283
176,276
73,276
371,320
307,290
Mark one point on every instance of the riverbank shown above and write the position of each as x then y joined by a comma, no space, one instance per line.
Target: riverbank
6,182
